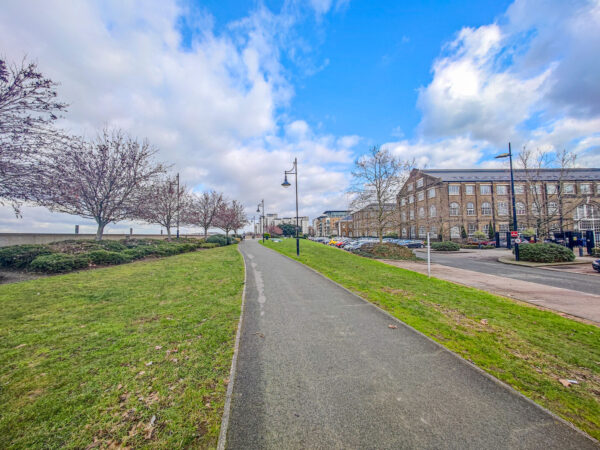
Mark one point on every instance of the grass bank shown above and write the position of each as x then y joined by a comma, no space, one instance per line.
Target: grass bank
136,355
525,347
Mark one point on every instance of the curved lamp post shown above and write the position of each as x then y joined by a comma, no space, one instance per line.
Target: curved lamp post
262,218
286,184
512,189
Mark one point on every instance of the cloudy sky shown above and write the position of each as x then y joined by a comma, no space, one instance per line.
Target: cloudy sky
232,91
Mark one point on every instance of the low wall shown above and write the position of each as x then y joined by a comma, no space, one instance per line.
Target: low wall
7,239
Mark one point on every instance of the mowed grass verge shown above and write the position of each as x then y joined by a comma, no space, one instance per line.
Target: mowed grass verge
136,355
525,347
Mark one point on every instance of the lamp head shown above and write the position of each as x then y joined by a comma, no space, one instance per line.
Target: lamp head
285,183
502,155
258,209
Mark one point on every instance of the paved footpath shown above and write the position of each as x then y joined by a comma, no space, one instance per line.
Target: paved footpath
319,368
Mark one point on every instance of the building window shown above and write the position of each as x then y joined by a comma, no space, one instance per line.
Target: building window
432,211
454,209
454,189
552,208
503,227
422,232
433,230
403,232
534,209
421,196
585,188
409,187
411,214
470,209
431,193
598,188
535,188
502,208
420,182
454,233
569,188
519,189
421,212
412,231
403,216
551,189
501,189
520,209
486,228
470,189
486,209
471,228
402,201
411,199
485,189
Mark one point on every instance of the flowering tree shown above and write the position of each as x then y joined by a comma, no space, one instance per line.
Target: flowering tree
102,180
203,210
28,108
230,217
163,202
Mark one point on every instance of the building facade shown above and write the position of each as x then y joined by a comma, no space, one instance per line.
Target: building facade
365,222
452,204
272,220
326,224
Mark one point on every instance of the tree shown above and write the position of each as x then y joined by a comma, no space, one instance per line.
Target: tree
377,179
203,210
463,232
104,179
287,229
230,217
491,230
162,203
28,108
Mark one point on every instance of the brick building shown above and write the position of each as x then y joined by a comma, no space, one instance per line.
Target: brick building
365,220
326,224
443,202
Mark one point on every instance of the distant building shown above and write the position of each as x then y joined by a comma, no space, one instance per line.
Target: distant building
365,220
345,226
272,220
444,202
326,224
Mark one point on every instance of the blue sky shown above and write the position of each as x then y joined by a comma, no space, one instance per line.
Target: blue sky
230,92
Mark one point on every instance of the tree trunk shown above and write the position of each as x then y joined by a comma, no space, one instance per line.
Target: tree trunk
100,231
168,233
205,232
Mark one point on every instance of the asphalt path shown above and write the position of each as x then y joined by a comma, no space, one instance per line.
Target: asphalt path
320,368
488,263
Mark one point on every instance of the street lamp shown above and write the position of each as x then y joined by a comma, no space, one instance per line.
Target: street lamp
512,189
262,218
286,184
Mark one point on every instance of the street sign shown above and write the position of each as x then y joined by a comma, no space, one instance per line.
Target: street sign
518,241
514,234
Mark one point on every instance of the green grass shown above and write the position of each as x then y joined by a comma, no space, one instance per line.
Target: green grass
525,347
75,354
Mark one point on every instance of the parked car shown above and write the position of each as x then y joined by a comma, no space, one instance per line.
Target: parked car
596,265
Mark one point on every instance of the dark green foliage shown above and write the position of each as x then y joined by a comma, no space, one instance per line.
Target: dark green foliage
596,251
445,246
491,230
105,258
386,250
20,256
473,246
112,246
139,252
219,239
59,263
208,245
546,253
463,232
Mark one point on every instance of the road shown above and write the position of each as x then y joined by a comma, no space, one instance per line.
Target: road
320,368
486,261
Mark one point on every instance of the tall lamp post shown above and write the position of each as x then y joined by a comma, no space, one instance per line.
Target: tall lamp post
286,184
512,189
178,206
262,218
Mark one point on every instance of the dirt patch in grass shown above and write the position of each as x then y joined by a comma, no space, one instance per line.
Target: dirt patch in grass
386,250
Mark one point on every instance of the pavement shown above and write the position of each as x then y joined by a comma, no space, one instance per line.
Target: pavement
573,303
486,261
319,367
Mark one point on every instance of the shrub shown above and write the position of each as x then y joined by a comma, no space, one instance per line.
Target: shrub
546,253
139,252
470,246
385,250
218,239
208,245
58,263
112,246
20,256
596,251
445,246
104,257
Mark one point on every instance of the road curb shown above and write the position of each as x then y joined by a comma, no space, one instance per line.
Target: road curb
441,347
507,260
227,408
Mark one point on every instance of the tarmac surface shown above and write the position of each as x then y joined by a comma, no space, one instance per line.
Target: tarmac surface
320,368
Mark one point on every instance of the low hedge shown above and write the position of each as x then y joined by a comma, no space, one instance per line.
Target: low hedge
21,256
445,246
218,239
59,263
546,253
208,245
105,258
474,246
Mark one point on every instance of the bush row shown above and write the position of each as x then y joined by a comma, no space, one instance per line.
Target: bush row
445,246
546,253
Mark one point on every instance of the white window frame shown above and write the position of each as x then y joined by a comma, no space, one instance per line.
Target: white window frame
586,190
454,210
421,213
431,193
488,188
420,196
502,208
432,211
470,209
486,210
419,183
569,188
551,189
519,189
452,188
470,189
502,189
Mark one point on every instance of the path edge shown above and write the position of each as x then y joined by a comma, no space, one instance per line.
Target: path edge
456,355
229,394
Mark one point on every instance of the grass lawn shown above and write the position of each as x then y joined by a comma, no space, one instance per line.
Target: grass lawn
523,346
134,355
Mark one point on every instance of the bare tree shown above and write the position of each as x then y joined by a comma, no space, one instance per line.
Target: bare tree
28,108
102,180
203,210
377,179
547,205
230,217
163,203
240,218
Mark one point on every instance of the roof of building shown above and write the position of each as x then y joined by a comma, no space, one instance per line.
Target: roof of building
520,174
336,213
